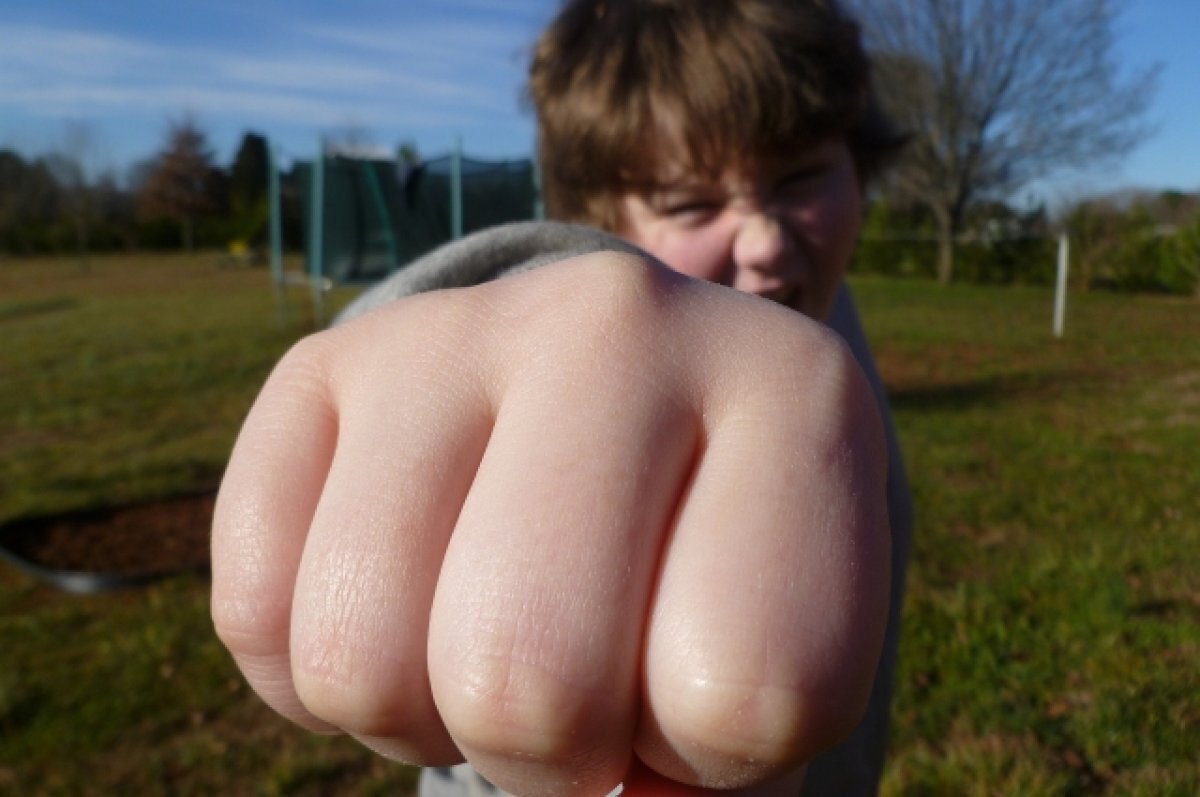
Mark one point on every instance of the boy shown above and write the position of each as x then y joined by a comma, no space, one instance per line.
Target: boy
601,522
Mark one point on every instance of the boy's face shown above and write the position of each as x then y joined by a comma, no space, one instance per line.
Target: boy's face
784,229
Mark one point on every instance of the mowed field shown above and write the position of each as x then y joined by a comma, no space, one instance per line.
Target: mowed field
1052,631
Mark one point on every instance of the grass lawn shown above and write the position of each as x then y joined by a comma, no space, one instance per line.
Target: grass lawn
1052,636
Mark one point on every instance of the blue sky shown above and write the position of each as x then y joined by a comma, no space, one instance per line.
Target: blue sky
383,72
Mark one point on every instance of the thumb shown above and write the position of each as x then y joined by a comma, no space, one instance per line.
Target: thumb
641,781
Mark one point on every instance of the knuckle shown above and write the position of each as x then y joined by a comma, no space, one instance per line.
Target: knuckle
347,677
432,339
610,302
825,390
249,606
306,361
389,706
748,725
730,733
519,711
247,627
824,367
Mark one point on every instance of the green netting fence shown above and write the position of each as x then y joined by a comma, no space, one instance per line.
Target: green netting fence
367,218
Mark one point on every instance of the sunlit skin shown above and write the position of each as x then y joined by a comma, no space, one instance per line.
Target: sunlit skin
457,580
785,229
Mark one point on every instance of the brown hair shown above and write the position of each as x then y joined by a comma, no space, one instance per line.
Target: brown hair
741,78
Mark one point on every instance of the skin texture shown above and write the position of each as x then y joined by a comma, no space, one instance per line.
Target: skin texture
612,524
602,522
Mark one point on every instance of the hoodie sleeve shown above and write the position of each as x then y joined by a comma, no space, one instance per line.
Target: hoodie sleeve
487,255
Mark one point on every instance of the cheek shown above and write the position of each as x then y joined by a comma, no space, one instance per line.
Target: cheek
831,229
829,232
703,254
843,208
844,230
849,214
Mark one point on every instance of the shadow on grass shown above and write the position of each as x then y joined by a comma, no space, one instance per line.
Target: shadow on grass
26,309
1001,389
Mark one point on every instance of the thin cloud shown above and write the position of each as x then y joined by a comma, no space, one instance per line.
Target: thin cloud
31,49
328,75
250,105
449,47
49,67
428,80
504,7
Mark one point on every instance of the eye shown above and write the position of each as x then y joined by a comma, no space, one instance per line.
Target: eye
689,210
692,208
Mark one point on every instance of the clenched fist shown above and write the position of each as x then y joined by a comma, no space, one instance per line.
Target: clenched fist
585,521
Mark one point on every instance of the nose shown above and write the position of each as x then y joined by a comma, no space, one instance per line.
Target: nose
764,255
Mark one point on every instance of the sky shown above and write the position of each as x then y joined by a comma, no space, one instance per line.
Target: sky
107,78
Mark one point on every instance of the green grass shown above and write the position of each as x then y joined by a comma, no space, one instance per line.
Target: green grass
1052,630
128,380
1052,636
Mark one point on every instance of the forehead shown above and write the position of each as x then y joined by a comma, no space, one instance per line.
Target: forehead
675,167
674,146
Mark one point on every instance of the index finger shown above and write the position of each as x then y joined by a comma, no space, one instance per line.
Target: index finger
264,509
641,781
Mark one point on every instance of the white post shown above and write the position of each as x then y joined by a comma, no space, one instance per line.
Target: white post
276,233
275,217
1060,289
456,190
316,234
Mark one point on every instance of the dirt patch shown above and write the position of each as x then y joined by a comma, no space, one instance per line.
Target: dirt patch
114,546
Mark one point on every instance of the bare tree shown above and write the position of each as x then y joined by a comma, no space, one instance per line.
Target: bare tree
999,93
179,182
352,139
407,155
72,166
